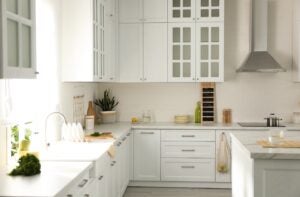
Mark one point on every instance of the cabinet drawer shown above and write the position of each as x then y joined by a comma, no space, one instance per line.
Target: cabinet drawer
188,135
188,170
188,149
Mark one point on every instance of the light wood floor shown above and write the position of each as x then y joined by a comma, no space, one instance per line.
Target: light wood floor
176,192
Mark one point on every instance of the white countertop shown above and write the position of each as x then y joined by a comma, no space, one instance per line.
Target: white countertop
55,177
256,151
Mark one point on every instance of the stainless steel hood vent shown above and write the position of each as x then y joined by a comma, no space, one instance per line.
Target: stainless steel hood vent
260,60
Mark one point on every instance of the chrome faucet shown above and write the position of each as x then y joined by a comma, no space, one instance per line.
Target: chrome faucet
46,123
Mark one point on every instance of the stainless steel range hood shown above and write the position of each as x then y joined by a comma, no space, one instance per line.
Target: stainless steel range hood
260,60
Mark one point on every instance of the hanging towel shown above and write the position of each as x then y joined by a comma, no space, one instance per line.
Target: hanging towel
223,164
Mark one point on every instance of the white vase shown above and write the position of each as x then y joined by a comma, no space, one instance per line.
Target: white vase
108,116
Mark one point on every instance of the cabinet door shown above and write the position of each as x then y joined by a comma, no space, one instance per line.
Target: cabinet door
155,10
110,41
130,11
210,10
18,39
130,141
131,52
181,52
210,52
147,155
155,52
99,19
181,11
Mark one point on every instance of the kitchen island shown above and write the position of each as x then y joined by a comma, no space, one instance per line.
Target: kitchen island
264,172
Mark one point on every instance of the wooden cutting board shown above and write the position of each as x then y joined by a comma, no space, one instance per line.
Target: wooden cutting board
103,136
283,144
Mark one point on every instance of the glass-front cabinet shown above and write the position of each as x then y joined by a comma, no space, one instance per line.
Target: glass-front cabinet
195,10
18,39
210,53
181,52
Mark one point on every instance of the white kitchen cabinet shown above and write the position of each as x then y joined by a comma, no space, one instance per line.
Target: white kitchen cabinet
138,11
296,41
147,155
103,176
210,50
18,39
195,170
131,52
130,141
181,52
143,52
195,10
86,55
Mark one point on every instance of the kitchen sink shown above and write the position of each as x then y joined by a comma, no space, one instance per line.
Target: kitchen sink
255,124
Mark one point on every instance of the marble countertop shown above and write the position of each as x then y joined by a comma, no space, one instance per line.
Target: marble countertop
255,151
54,180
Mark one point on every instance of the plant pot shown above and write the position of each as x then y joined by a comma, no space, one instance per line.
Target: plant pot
108,116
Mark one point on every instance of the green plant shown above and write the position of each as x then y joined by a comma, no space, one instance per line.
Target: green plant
14,140
29,165
107,103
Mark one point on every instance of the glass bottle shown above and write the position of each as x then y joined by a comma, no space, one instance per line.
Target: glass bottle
198,113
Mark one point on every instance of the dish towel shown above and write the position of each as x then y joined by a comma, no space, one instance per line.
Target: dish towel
223,164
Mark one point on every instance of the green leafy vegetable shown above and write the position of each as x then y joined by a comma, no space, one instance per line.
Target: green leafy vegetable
29,165
14,140
95,134
107,103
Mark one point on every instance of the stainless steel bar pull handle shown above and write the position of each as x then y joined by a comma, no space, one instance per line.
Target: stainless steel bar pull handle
147,133
188,150
188,136
188,167
83,183
100,178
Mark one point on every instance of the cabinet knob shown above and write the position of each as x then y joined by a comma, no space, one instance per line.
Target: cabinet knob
197,79
100,178
86,195
100,77
194,79
36,73
83,183
141,79
111,78
145,79
69,195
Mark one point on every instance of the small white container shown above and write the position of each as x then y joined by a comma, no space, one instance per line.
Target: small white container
89,122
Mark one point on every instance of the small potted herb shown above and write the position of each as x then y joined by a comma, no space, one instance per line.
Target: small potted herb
107,105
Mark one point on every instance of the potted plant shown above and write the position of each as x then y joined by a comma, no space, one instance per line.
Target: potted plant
107,104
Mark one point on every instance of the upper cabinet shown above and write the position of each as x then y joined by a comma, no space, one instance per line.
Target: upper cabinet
18,39
195,10
88,40
137,11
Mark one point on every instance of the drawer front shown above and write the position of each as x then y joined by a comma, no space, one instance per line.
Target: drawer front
188,135
188,170
188,149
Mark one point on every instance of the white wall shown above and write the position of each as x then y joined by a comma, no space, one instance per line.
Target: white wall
251,96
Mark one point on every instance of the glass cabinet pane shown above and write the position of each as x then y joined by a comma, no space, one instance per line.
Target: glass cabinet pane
26,46
176,69
204,13
176,13
204,52
215,34
214,52
176,3
186,14
187,52
215,13
176,34
186,3
12,6
215,69
204,3
204,34
215,2
12,43
204,69
26,8
176,52
186,69
186,34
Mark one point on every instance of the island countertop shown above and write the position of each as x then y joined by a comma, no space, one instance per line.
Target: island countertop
249,145
54,180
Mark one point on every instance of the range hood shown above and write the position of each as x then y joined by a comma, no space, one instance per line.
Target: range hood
260,60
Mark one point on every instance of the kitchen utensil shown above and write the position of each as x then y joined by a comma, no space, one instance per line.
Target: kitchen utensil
282,144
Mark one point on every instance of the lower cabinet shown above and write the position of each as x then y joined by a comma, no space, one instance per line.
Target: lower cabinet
180,169
147,155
